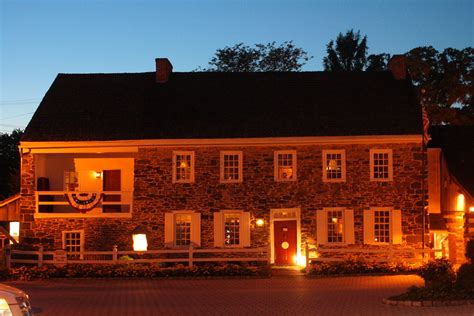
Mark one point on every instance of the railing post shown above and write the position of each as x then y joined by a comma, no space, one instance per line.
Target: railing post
40,256
8,256
306,253
115,254
191,255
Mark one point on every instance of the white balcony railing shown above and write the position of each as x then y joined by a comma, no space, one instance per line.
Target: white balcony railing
56,204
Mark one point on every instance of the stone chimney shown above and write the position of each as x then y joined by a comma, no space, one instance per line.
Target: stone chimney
398,66
163,69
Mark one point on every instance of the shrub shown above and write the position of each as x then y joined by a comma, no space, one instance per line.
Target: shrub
470,250
357,266
438,273
465,277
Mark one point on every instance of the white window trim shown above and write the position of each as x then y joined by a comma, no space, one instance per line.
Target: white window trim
241,228
176,153
228,152
390,209
390,164
343,164
81,231
294,164
343,210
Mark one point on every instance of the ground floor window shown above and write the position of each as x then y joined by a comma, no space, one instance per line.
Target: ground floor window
335,225
73,243
383,225
182,229
231,228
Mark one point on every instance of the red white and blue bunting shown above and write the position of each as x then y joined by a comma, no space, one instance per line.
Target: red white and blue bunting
83,202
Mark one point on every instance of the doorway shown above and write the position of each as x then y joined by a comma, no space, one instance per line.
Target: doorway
285,242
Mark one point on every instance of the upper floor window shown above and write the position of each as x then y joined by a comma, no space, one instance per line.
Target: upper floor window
231,166
381,165
285,165
183,166
334,165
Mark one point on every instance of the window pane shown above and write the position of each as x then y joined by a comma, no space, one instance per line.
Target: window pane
231,167
382,226
183,167
285,166
231,229
182,229
335,226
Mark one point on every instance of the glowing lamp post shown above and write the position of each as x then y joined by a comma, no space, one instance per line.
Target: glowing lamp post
139,239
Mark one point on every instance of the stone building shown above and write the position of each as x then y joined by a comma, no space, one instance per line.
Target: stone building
226,160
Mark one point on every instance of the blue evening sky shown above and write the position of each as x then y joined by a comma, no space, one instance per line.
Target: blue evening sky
41,38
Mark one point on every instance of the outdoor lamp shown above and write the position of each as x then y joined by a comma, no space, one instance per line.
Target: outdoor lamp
259,222
139,239
98,174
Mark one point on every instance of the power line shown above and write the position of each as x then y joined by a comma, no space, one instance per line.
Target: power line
19,100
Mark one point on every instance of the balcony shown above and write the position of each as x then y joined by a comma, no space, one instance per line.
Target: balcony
58,204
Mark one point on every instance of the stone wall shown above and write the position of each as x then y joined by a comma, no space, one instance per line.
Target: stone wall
258,193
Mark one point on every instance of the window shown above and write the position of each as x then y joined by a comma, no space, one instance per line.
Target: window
334,165
73,243
231,166
382,225
335,225
285,165
71,182
182,229
231,229
183,166
381,165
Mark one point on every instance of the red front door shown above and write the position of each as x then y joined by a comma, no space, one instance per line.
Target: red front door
284,242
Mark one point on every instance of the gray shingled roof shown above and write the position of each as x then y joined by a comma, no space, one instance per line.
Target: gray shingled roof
224,105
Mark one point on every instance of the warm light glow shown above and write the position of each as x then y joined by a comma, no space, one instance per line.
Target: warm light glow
15,230
471,209
334,220
4,307
460,202
300,260
183,164
98,174
139,242
259,222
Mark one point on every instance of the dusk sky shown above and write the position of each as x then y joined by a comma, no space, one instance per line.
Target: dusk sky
39,39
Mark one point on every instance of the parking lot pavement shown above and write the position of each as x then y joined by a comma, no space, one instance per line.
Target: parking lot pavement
275,296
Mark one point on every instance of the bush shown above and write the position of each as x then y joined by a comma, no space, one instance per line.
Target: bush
357,266
465,277
438,274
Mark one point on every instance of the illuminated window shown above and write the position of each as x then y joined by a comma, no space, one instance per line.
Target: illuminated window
73,244
381,165
182,229
231,229
231,166
183,167
285,165
334,165
335,226
382,226
70,181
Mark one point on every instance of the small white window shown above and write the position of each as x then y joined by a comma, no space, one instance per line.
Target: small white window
183,166
382,225
285,165
335,225
334,165
231,167
182,229
231,229
73,243
381,165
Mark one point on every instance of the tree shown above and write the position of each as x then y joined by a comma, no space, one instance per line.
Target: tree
377,62
260,58
349,53
9,163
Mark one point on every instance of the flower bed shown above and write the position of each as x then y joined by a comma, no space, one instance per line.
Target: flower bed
135,271
357,266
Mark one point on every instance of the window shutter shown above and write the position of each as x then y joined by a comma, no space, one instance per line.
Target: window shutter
245,229
196,229
322,226
169,229
369,233
349,227
218,230
397,232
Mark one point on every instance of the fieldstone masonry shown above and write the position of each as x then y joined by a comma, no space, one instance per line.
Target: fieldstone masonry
155,194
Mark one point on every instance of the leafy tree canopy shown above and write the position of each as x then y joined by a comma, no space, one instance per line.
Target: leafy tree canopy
9,163
348,53
260,58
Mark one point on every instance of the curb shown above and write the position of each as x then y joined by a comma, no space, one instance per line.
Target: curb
428,303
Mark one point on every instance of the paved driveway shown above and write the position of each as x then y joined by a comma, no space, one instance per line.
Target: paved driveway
276,296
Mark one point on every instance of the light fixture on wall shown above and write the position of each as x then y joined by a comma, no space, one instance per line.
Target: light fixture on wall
98,174
140,242
471,209
260,222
